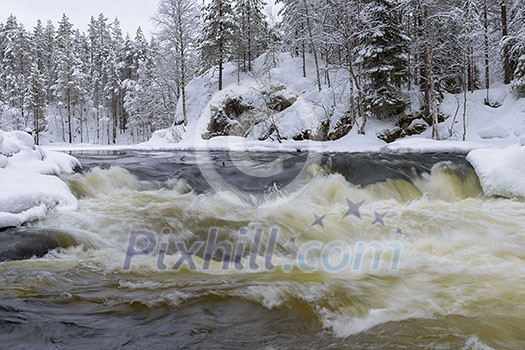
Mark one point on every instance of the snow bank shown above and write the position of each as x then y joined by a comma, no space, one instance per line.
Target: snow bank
495,132
499,126
28,185
423,145
501,171
162,139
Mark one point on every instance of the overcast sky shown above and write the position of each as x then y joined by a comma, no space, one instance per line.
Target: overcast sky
131,13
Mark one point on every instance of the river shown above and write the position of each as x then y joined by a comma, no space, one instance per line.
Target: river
339,251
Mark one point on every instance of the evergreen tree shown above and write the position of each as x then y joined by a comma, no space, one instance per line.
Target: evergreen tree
66,61
48,58
15,60
252,32
218,35
383,53
519,52
36,101
80,84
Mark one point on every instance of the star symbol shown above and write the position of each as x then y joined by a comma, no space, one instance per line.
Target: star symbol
319,221
380,219
399,232
353,209
293,240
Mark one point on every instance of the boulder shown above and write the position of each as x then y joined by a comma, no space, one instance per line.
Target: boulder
342,127
391,135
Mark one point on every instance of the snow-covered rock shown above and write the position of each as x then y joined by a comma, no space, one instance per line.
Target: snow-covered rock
28,185
501,171
273,102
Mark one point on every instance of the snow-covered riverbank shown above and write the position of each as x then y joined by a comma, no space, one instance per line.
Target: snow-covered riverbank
29,187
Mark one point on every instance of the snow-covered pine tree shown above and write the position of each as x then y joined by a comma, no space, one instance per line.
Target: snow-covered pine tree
13,73
48,57
144,99
63,87
218,35
383,54
253,31
80,84
38,46
294,27
99,42
470,37
36,101
112,71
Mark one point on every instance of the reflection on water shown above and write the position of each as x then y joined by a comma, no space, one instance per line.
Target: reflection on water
457,287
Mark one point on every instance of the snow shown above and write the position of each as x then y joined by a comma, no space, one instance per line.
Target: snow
494,127
501,171
352,143
29,187
487,127
495,132
424,145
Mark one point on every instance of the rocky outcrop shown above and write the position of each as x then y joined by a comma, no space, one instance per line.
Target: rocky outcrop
408,125
235,116
417,127
342,127
391,135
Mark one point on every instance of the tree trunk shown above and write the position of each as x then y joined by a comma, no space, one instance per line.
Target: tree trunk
69,115
81,126
220,66
486,48
470,70
351,101
434,109
312,45
37,108
244,24
360,94
183,86
507,74
250,33
327,70
303,54
114,116
221,51
425,64
464,113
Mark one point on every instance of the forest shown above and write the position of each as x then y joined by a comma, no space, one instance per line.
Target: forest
102,86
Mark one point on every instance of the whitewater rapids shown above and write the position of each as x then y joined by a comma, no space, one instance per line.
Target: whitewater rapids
458,285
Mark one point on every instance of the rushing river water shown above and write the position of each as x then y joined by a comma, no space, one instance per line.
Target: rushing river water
447,271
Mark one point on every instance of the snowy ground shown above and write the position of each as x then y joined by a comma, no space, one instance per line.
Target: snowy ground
28,185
